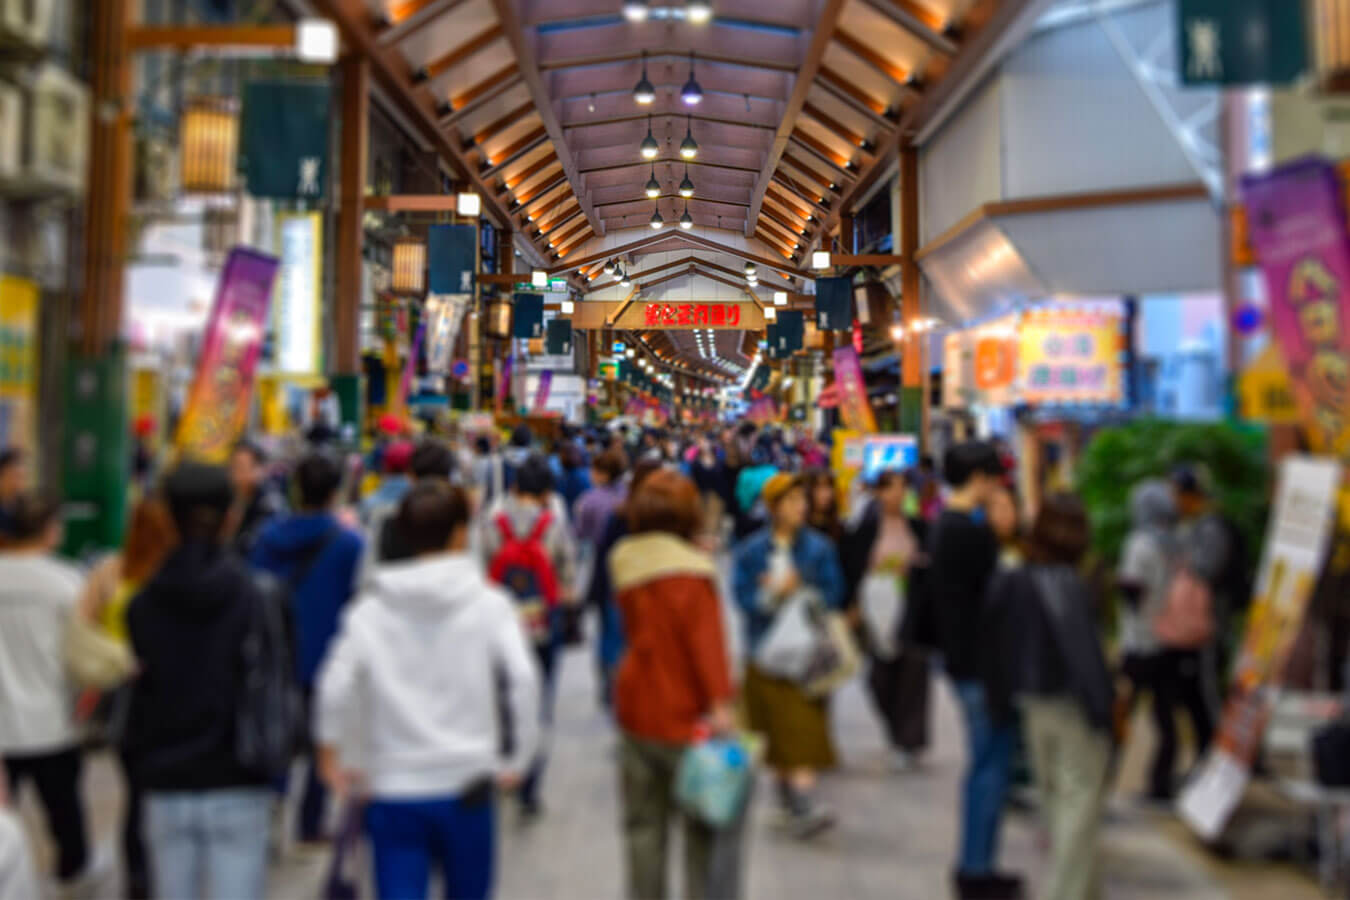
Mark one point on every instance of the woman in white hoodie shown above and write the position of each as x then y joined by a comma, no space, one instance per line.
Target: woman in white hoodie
407,707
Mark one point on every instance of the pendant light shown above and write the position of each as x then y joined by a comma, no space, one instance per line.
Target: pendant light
686,186
610,267
653,186
635,10
749,269
691,93
656,220
686,220
623,278
688,146
644,92
649,147
697,11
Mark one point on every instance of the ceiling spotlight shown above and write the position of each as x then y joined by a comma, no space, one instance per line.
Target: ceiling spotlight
691,93
590,105
750,268
697,11
635,10
686,220
650,148
688,146
686,186
656,220
644,92
653,186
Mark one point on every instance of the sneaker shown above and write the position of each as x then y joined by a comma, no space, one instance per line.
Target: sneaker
810,819
97,881
988,887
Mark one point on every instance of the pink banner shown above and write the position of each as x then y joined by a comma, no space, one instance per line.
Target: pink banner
1298,230
218,402
853,403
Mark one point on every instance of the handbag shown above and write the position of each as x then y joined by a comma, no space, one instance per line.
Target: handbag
794,640
343,879
837,661
93,659
881,600
1331,755
713,781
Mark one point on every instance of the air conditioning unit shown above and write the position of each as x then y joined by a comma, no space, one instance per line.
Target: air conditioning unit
52,133
26,22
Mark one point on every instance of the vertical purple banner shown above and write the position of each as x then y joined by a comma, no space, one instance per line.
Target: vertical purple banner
218,402
410,369
542,392
853,403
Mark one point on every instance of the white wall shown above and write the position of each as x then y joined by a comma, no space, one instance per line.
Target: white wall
962,167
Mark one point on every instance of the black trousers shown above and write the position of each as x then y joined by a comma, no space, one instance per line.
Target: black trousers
1178,680
57,779
899,690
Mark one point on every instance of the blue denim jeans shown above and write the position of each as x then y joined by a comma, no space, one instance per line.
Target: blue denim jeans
990,751
457,834
209,844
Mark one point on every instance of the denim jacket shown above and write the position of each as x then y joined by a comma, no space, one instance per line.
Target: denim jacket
817,564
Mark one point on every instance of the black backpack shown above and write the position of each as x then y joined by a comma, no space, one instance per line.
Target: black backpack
269,715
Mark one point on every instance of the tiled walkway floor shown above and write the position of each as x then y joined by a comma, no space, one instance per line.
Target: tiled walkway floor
894,841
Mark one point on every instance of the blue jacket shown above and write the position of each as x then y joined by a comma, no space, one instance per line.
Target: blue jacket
317,602
817,564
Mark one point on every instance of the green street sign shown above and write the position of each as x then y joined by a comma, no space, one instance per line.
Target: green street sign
1235,42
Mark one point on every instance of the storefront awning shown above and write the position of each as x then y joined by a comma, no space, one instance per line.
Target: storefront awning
1142,241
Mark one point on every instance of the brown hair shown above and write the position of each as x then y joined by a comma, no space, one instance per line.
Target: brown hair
429,515
827,519
665,501
611,464
150,537
1061,533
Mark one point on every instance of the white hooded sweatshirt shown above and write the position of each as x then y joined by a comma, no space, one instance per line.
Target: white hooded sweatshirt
408,692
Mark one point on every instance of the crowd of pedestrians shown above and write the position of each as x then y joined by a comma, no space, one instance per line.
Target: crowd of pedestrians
384,649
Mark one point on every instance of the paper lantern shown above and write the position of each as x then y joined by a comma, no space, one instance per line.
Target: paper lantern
498,323
209,144
410,267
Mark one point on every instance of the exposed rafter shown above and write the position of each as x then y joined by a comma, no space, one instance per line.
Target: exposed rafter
627,56
448,61
921,22
864,52
826,23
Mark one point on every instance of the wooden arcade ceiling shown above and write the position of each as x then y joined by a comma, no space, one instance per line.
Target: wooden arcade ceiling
804,103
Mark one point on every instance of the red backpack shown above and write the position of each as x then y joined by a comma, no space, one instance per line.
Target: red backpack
522,565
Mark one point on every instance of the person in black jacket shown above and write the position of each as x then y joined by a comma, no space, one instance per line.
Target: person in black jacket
1042,655
206,814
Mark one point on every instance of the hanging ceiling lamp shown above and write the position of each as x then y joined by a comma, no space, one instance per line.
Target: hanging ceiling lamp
749,269
691,93
610,267
656,220
688,146
686,220
686,186
635,10
650,148
697,11
653,186
623,278
644,92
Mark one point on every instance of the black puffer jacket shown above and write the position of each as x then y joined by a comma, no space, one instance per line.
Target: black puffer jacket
187,628
1040,638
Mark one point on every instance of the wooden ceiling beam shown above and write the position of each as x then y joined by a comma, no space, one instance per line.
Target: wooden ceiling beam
576,242
572,232
822,184
676,160
539,165
826,24
672,196
657,116
920,21
787,238
823,153
528,142
788,201
626,56
841,86
692,239
796,231
549,184
864,52
461,104
456,56
403,20
497,126
796,189
839,128
508,15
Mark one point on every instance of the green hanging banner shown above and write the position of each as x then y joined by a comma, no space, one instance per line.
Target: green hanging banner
283,139
1235,42
559,338
528,322
791,331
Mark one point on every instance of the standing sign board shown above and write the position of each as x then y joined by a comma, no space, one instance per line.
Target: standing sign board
1296,544
18,362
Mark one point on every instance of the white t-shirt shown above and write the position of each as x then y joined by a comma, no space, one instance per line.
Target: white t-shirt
1144,562
38,595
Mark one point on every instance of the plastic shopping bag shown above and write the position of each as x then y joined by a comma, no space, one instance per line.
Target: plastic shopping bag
881,598
713,781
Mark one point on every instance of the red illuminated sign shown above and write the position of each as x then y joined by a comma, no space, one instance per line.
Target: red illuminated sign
692,315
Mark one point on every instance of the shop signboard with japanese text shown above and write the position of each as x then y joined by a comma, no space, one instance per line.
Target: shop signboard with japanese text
218,402
18,362
1070,355
741,316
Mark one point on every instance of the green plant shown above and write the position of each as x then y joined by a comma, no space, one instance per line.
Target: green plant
1118,458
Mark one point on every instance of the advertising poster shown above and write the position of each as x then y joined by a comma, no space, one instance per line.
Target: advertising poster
1298,231
888,453
1071,355
18,362
217,404
993,362
854,406
956,381
299,287
444,313
1300,530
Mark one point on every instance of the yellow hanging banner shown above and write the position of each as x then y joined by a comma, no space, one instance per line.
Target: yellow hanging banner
18,362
